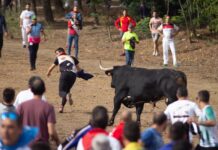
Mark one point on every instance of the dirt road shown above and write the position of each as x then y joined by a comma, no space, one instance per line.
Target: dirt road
94,45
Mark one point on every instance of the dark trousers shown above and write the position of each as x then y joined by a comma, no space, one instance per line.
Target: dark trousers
1,43
33,49
66,82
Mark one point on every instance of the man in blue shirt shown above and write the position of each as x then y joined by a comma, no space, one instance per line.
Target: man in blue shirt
34,32
151,137
13,135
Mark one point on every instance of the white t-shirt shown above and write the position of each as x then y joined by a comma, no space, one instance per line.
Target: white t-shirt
24,96
181,110
26,17
168,30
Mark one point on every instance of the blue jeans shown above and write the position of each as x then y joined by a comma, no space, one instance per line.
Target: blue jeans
129,57
70,39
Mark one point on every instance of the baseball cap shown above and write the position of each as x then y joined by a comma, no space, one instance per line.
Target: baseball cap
33,17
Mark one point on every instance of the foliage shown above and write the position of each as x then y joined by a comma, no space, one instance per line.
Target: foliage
142,28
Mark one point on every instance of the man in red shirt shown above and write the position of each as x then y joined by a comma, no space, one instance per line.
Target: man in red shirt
117,132
99,123
122,24
39,113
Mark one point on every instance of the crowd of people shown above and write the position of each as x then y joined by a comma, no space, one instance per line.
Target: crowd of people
23,126
26,126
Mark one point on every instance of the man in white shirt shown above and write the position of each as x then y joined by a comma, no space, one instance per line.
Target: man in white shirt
182,109
25,20
26,95
168,31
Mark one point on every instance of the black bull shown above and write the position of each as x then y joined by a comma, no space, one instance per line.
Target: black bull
136,86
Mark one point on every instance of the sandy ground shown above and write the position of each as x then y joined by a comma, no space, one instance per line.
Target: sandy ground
95,45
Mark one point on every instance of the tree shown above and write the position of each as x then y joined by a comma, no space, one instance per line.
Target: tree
58,6
47,11
34,6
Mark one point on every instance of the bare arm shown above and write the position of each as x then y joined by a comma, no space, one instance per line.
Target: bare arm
50,69
209,123
44,35
52,133
28,30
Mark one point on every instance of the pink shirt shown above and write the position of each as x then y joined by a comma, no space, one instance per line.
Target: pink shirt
155,23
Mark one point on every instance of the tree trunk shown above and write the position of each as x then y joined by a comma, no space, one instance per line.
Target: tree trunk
80,5
48,11
34,6
186,21
58,6
95,14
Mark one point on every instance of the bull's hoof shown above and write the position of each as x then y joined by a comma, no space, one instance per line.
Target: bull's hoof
111,122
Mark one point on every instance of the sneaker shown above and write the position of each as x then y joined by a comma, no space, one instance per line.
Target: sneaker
24,46
123,54
70,99
165,65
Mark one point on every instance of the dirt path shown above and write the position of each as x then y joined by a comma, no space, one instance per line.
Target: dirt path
94,45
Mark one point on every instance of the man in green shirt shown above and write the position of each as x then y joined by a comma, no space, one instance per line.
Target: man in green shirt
129,39
207,123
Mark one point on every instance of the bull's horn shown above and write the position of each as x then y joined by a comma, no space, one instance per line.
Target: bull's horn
104,69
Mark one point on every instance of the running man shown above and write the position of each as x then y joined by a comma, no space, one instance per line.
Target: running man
154,23
129,40
34,31
3,28
122,24
168,31
25,20
69,68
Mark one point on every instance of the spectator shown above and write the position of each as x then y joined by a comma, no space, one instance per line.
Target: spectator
154,23
151,137
34,31
117,132
182,145
73,140
8,99
99,123
13,135
129,40
3,29
169,32
73,34
78,16
122,24
26,95
42,116
131,135
101,142
182,109
25,20
40,146
177,132
207,123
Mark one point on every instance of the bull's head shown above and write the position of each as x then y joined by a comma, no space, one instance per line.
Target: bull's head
108,71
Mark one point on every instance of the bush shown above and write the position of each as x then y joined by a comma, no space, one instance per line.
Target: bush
142,28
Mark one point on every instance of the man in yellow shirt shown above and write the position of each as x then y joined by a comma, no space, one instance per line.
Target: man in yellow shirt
129,39
131,133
